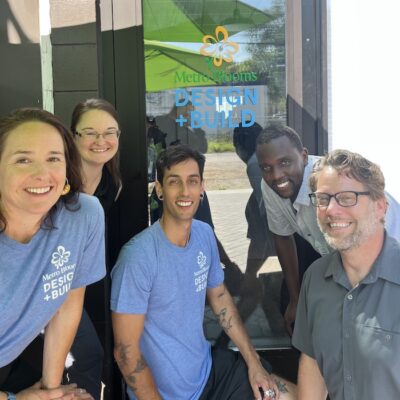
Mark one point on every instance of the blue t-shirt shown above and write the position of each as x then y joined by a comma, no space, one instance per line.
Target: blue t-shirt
168,283
36,277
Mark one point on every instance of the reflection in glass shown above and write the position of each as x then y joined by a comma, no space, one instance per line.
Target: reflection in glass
215,76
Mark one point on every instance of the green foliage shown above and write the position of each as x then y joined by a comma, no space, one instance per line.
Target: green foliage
268,59
220,146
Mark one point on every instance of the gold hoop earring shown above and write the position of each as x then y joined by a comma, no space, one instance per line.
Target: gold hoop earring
67,188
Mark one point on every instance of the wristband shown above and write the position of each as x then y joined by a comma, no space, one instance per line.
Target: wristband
11,396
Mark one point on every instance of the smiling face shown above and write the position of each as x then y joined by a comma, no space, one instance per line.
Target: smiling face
181,191
103,148
282,166
347,228
32,169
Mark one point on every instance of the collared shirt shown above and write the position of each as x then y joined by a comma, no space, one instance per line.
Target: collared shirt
353,333
285,218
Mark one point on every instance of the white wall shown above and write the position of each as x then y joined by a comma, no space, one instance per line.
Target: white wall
364,82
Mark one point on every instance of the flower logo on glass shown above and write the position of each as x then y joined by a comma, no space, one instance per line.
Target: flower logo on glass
218,47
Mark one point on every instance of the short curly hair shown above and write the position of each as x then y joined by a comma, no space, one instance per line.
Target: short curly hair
354,166
276,131
175,155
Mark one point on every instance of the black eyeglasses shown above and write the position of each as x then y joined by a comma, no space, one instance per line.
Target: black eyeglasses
93,135
344,199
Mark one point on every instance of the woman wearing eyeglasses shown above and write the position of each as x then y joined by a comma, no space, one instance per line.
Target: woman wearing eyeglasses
51,248
96,131
95,125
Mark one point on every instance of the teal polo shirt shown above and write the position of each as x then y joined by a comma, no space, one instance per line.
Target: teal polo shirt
353,333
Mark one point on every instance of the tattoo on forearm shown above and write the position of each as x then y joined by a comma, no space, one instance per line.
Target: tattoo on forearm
281,386
131,380
131,376
122,355
224,320
140,365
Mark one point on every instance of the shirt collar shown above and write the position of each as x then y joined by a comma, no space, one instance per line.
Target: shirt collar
302,198
384,267
335,269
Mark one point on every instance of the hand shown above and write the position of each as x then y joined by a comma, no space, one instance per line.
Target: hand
81,394
64,392
290,316
261,381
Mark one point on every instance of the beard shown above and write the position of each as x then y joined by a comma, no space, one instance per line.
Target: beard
364,230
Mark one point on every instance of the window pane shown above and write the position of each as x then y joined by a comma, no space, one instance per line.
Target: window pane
215,76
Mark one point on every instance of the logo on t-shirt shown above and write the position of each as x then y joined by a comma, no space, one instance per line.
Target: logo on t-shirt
201,259
200,276
57,283
60,257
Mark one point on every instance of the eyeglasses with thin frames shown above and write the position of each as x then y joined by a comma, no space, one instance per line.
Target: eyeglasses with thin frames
93,135
347,198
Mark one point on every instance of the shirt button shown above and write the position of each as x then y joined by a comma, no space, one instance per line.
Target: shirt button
350,297
346,335
348,378
388,337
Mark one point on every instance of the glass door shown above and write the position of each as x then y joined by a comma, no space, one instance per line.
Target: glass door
215,76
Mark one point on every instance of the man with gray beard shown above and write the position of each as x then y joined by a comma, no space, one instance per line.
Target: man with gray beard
346,326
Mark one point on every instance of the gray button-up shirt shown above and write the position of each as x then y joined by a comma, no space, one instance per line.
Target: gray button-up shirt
353,333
